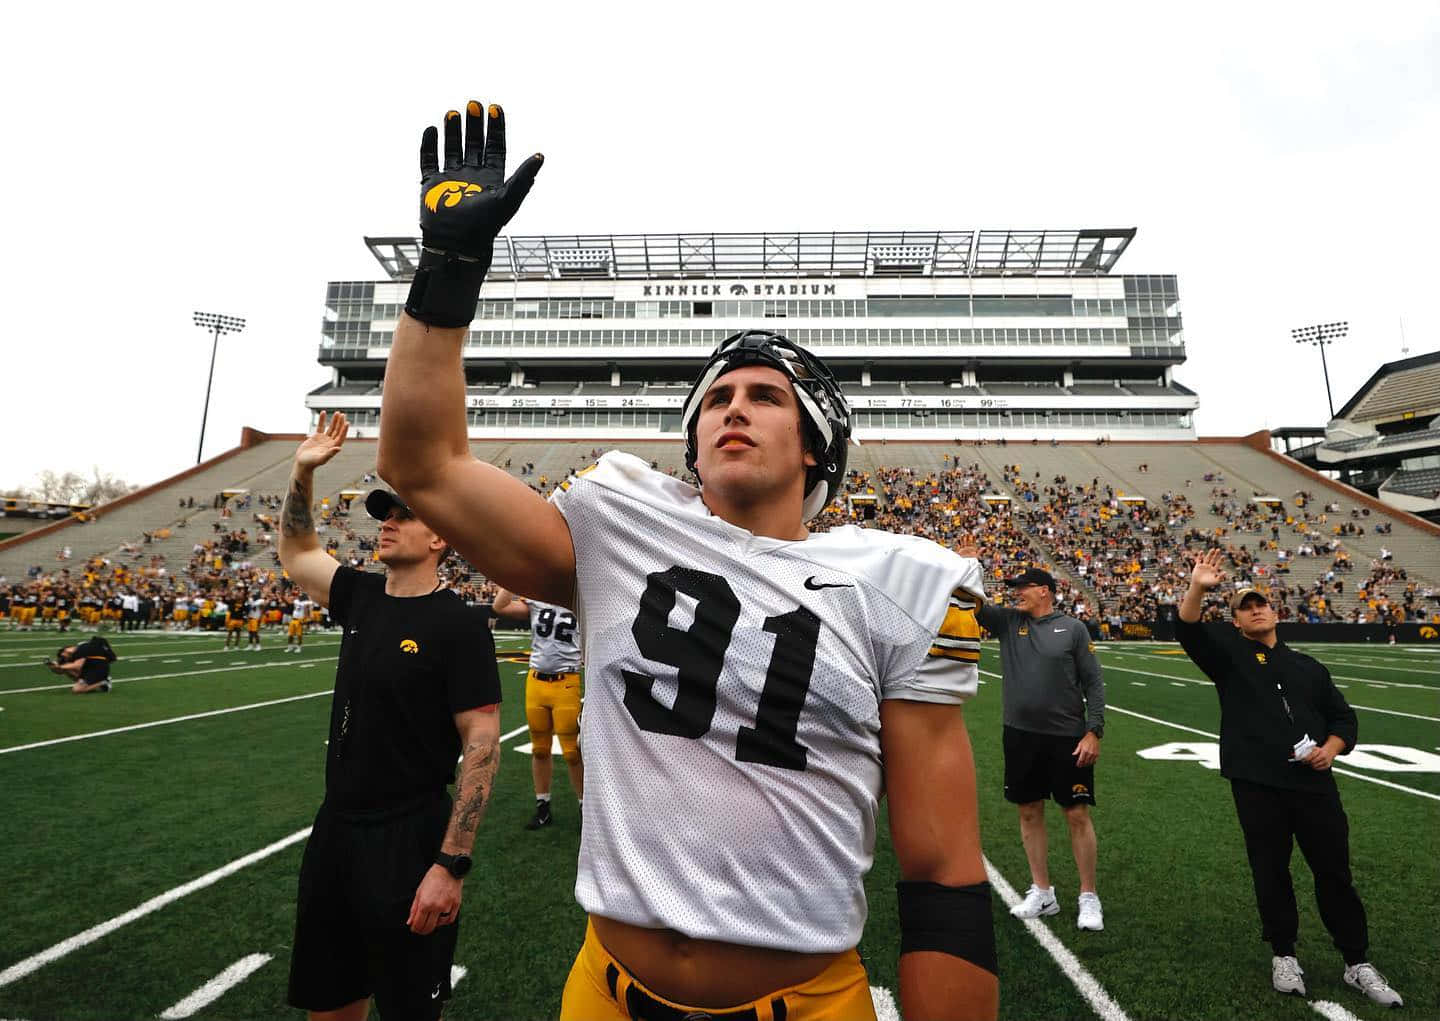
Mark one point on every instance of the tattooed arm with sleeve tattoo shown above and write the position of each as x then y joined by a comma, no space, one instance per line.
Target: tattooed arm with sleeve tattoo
301,554
437,900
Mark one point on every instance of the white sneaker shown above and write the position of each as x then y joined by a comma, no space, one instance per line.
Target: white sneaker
1091,917
1369,981
1037,902
1286,975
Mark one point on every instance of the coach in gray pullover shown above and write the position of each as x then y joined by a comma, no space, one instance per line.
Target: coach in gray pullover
1054,718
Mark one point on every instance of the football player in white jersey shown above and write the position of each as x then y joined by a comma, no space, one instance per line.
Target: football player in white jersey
753,688
552,695
295,629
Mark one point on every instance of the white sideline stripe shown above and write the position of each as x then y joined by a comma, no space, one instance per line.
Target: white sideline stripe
181,673
37,961
1333,769
161,723
216,987
513,733
885,1007
1333,1011
1094,993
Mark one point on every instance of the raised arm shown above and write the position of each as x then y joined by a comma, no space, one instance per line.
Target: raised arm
510,606
1206,575
500,525
947,950
308,565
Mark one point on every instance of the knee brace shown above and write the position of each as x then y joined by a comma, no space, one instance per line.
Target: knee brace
954,920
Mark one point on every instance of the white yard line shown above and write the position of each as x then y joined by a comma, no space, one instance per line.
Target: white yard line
216,987
35,962
1094,993
161,723
1396,712
183,673
515,732
457,972
886,1008
1333,769
1343,677
1332,1011
161,655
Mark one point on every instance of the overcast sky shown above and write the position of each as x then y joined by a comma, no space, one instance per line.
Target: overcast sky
1280,159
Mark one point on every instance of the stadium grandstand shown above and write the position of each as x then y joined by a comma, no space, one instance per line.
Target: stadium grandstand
935,335
1386,439
1007,385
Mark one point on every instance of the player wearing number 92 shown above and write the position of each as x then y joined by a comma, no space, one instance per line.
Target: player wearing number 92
753,688
552,695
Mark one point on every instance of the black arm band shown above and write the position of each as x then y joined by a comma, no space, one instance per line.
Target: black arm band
445,289
954,920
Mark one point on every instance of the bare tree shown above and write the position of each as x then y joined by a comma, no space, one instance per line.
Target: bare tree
72,487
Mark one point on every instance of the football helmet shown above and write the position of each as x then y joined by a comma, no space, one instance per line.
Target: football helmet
825,414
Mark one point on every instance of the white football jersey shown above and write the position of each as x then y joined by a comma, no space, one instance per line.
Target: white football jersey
732,712
554,639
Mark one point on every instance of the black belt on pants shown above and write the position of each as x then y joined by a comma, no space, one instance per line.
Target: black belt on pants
549,677
641,1006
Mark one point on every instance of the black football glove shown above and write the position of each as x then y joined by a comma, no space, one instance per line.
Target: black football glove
463,208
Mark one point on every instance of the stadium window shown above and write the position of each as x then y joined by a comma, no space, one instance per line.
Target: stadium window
704,308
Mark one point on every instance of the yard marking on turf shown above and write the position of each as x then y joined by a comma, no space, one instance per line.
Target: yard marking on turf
1094,993
1176,684
457,972
1189,680
35,962
162,723
1332,1011
158,677
1396,712
515,732
884,1003
217,986
1333,769
1343,677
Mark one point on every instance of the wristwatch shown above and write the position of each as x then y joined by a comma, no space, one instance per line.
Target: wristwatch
458,865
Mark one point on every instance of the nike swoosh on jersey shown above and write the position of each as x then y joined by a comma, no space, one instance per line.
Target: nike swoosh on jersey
1059,630
815,586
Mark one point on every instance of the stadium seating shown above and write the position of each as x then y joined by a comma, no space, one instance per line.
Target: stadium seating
1222,509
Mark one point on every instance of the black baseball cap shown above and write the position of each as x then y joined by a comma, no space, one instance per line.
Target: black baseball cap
1032,576
381,502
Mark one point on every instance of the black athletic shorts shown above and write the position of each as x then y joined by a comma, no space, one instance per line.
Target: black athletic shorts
96,671
357,882
1040,766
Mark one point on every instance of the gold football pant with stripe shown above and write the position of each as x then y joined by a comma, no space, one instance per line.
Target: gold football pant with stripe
553,707
599,989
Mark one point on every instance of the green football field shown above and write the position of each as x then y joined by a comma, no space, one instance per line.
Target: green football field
152,837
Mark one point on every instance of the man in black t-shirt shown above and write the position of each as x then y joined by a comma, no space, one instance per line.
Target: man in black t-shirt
1282,722
416,689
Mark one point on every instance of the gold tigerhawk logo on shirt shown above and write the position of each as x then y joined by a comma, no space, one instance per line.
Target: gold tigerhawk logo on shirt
450,193
1024,631
410,645
1079,788
1260,658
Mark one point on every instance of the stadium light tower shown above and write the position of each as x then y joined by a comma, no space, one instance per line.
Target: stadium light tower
1320,335
217,324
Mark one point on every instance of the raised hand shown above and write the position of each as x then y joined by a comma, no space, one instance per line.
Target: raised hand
1208,572
465,204
324,443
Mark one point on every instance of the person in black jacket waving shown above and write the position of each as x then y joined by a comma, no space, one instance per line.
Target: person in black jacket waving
1282,722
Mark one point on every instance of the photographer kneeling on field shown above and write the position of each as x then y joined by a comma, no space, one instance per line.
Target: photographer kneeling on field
89,663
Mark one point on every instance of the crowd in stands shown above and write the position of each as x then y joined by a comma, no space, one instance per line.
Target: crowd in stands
1118,560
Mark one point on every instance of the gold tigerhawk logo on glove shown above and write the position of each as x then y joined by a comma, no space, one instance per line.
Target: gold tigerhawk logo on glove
410,645
450,193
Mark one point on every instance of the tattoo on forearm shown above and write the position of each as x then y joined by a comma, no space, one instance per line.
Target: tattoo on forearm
477,778
295,517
